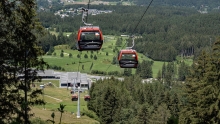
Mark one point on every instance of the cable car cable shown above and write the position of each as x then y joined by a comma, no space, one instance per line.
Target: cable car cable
142,16
140,20
87,12
132,36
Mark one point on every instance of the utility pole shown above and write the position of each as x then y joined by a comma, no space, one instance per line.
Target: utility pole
78,106
42,87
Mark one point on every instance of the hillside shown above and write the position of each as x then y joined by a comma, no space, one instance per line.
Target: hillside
53,97
87,64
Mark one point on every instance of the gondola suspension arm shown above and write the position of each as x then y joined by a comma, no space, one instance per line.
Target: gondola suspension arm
85,13
132,42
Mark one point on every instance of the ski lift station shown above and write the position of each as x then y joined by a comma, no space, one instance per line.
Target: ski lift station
67,79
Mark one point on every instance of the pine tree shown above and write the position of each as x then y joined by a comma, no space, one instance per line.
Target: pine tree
70,55
161,115
163,70
20,55
127,72
95,57
202,89
144,114
146,69
91,56
182,71
159,76
61,54
86,56
78,55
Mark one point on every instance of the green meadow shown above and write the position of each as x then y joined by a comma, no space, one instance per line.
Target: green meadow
103,61
82,64
55,96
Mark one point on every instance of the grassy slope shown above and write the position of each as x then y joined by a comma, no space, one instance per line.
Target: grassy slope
103,63
52,105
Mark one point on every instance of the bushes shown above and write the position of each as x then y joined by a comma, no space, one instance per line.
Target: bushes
98,72
38,121
57,68
115,73
90,114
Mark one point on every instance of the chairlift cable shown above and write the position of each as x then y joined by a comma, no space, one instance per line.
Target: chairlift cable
88,11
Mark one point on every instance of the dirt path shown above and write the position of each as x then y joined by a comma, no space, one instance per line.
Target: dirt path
54,98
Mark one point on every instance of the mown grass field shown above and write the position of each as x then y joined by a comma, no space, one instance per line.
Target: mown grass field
55,96
103,62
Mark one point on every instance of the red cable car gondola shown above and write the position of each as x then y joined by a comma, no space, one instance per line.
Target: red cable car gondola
128,58
87,97
89,38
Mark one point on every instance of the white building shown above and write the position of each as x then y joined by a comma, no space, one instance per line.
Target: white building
72,79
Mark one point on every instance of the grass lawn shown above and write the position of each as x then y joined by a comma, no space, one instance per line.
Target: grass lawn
53,97
103,62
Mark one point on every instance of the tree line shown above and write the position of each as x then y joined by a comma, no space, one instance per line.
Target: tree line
166,32
162,101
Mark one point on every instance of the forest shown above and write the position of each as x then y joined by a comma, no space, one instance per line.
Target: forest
188,3
164,101
166,32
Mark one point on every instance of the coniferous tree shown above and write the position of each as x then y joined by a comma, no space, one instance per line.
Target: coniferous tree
20,55
61,54
163,70
159,76
182,71
109,105
91,56
194,87
161,114
146,69
127,72
95,57
78,55
85,56
144,114
169,74
202,89
138,69
70,55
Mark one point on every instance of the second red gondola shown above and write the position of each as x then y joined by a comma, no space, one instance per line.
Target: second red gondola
128,58
89,38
